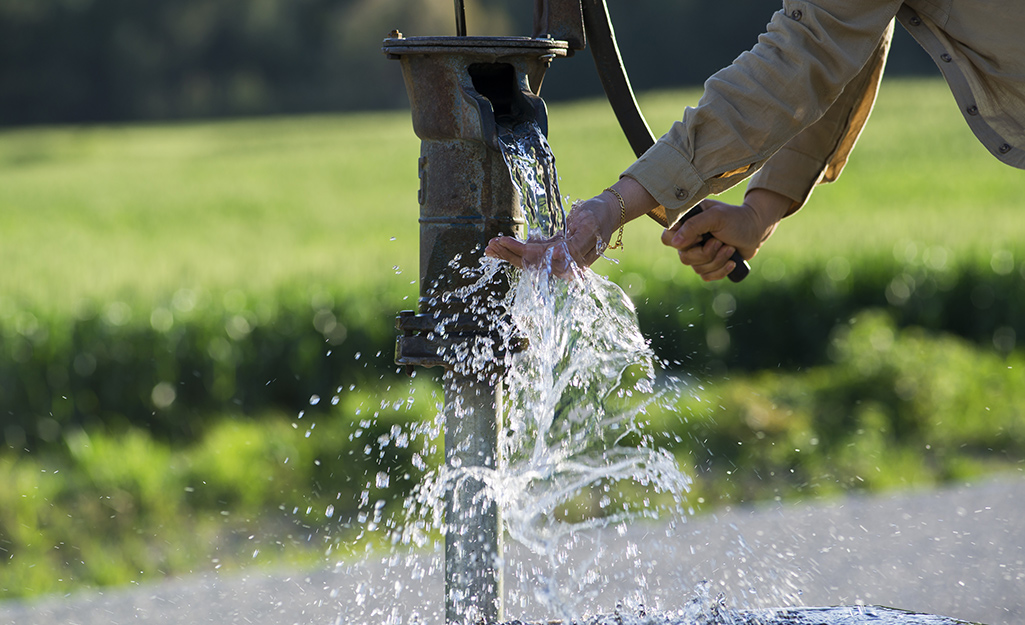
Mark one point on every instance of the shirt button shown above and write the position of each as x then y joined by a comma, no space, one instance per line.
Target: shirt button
916,21
1005,148
973,110
681,194
796,15
946,57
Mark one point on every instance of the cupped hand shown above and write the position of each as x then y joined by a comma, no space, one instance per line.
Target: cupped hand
588,223
742,228
552,253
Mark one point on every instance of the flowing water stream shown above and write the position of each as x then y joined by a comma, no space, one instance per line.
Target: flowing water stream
595,512
577,460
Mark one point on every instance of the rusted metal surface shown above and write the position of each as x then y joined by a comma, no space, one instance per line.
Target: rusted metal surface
562,20
473,525
425,339
460,90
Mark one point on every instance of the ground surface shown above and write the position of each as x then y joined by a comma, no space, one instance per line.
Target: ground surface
956,552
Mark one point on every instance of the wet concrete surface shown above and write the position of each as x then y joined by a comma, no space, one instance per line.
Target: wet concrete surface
957,552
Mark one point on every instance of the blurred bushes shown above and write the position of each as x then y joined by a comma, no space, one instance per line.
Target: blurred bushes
106,60
169,368
779,319
215,431
898,408
104,509
72,61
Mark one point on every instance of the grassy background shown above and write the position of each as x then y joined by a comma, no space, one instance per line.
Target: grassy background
139,212
214,259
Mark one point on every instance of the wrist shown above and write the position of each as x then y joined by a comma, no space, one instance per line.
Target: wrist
637,199
616,211
769,206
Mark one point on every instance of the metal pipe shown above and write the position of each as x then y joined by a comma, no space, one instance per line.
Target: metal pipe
473,527
460,19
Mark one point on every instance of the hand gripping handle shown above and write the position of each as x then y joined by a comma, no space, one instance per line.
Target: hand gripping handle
742,269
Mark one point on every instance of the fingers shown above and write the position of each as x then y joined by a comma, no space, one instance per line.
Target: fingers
669,234
552,255
711,261
695,240
508,249
690,231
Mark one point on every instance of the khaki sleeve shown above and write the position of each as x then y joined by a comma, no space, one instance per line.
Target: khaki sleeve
818,154
810,52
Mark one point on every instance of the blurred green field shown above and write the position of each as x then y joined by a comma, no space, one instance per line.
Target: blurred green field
97,214
138,212
173,294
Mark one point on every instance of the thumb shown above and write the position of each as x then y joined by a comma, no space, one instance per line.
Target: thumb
694,226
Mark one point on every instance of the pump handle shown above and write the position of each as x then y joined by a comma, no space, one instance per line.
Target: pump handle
460,18
602,40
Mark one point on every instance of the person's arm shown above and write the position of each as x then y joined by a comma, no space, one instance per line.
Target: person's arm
818,154
781,187
769,95
785,84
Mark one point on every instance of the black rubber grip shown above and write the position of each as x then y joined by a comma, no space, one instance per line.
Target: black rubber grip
742,269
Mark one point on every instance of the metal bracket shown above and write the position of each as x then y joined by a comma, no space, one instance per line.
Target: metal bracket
421,344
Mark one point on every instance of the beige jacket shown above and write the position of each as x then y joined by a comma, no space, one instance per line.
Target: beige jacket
792,107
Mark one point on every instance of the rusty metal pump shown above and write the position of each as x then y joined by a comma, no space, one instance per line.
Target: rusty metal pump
461,89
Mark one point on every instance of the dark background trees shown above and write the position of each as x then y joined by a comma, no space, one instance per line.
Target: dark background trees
75,61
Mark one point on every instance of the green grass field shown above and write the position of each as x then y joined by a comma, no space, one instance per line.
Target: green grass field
135,213
245,212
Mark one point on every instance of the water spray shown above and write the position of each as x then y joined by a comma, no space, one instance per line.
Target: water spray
463,90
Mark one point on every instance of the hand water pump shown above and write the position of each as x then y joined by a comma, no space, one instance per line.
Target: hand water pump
459,89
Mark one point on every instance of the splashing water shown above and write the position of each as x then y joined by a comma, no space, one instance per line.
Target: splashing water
576,460
574,453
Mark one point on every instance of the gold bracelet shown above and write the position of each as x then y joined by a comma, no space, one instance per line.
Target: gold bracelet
622,219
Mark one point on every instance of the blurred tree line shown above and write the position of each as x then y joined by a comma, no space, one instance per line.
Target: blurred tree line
72,61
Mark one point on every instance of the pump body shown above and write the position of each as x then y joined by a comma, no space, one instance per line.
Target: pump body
461,90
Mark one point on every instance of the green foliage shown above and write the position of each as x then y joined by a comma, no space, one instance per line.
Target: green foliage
172,297
184,360
787,322
106,509
898,408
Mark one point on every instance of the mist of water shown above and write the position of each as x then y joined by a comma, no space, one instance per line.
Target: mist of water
574,453
578,463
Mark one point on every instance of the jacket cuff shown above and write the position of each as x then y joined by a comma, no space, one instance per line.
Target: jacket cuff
670,177
789,173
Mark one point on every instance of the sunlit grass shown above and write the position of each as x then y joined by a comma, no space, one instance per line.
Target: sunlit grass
139,211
